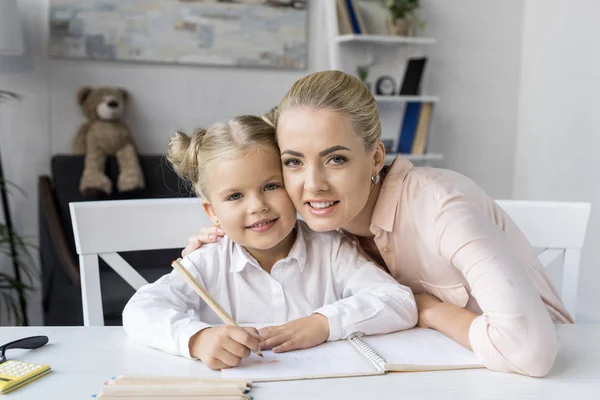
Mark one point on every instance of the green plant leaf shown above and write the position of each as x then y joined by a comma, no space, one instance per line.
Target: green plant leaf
400,9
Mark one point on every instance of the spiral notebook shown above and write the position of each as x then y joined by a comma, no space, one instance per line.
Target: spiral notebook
413,350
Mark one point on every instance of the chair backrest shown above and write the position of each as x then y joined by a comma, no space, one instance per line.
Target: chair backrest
103,228
559,229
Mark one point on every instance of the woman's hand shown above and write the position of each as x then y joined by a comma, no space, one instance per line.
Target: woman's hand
299,334
206,235
224,346
425,304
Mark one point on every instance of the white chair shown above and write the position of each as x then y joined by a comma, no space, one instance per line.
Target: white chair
559,229
103,228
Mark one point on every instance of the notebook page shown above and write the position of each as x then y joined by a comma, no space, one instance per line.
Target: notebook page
330,359
421,349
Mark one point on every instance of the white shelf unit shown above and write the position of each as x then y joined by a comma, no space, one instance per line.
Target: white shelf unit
383,39
424,158
406,99
345,52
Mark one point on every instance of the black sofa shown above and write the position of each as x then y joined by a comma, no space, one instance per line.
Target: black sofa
61,287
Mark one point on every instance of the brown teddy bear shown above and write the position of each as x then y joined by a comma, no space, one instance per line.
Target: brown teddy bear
105,134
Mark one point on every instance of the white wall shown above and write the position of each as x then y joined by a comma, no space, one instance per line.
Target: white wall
558,145
24,128
474,67
166,97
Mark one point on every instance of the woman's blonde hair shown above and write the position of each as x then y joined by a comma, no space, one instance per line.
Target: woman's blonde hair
191,155
341,93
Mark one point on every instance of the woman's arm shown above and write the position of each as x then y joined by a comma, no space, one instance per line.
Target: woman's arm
515,332
448,319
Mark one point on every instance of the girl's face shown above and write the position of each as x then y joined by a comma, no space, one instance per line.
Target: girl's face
326,168
248,199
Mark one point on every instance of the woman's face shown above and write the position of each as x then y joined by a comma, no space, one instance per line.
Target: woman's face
326,168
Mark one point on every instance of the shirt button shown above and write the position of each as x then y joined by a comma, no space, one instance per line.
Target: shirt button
386,249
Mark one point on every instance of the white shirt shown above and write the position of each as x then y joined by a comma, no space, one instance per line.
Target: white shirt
324,273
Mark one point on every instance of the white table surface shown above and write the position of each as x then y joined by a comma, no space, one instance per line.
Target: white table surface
83,358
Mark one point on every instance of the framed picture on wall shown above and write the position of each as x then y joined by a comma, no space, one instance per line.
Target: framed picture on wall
248,33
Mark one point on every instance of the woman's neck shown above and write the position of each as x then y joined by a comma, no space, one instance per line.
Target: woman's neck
267,258
360,225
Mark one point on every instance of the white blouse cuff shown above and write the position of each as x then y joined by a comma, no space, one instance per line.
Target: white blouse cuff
335,321
186,334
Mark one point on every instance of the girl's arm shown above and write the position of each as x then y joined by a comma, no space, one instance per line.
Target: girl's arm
515,332
166,314
371,301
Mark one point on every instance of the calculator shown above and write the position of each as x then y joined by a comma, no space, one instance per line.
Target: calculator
14,373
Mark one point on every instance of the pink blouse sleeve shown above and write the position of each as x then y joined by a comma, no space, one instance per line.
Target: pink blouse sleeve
515,332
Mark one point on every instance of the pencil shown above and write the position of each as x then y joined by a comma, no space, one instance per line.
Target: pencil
212,303
165,379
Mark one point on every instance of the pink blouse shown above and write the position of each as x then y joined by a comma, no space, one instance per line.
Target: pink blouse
438,232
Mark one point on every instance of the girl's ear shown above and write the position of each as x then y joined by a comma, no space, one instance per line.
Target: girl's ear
378,158
210,211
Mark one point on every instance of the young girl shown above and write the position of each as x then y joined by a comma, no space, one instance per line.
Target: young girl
270,268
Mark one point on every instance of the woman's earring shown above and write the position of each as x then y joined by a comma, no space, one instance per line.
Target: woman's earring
217,222
375,179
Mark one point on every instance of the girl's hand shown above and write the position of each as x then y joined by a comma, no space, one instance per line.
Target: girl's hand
425,304
206,235
299,334
224,346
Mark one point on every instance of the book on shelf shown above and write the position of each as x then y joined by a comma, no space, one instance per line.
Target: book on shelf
344,25
419,145
350,20
413,350
411,83
414,129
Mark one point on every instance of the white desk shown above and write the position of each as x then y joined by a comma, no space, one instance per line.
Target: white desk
83,358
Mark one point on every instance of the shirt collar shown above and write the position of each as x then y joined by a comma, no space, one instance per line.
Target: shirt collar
386,207
240,257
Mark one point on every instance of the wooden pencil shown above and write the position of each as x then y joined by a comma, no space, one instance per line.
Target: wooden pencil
105,396
170,390
212,303
176,380
192,385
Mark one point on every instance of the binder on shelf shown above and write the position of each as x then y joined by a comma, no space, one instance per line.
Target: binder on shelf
408,127
414,131
411,83
356,20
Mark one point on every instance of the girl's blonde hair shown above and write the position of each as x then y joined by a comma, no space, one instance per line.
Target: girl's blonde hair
191,156
341,93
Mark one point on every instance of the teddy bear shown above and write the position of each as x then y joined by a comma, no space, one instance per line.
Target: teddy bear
105,134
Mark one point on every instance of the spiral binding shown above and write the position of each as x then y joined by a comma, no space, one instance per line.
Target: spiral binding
367,352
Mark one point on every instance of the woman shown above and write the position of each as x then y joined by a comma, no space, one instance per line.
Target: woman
476,278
